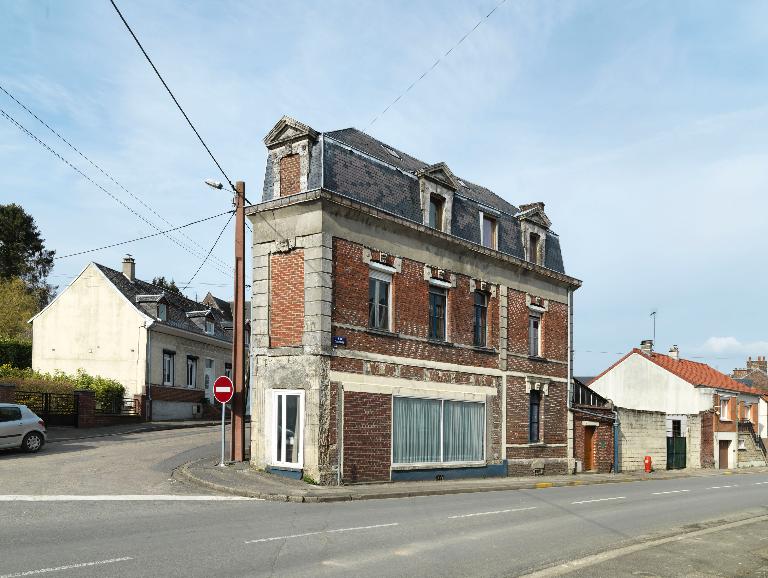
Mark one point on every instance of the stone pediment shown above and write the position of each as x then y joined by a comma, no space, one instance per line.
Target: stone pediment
287,130
534,212
440,173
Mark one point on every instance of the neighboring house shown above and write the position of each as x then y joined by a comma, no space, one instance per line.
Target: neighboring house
160,345
593,429
756,375
680,412
407,324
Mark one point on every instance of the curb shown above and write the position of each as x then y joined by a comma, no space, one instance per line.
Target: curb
184,473
133,431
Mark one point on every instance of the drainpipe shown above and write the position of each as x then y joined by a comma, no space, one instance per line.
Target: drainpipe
616,431
149,371
570,377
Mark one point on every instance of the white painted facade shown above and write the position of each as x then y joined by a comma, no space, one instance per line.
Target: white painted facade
762,419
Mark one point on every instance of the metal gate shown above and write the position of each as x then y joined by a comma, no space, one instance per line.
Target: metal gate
54,408
676,451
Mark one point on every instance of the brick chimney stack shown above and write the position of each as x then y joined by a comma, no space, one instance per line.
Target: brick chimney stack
646,346
129,268
759,363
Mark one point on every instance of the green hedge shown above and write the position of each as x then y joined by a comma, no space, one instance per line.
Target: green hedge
59,382
16,353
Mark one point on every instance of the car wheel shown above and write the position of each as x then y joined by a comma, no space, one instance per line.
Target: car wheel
32,442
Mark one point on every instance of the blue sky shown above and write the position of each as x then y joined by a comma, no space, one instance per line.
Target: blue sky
641,125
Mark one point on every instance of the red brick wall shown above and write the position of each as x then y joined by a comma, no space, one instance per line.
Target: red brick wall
286,292
290,175
410,297
162,393
554,420
367,437
554,331
7,393
602,440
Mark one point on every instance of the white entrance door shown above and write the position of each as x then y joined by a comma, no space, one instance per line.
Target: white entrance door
287,428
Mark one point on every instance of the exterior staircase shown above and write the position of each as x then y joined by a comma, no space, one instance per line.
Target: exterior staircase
754,452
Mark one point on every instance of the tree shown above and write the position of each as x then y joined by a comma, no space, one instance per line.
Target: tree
23,254
168,286
19,305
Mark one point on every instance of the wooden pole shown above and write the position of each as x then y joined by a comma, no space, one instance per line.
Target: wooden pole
237,443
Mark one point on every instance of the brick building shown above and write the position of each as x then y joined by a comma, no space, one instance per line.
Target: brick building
406,324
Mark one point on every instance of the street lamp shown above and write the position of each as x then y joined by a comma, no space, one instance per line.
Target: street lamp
237,447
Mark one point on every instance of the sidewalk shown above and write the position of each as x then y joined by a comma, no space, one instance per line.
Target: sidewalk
242,480
64,434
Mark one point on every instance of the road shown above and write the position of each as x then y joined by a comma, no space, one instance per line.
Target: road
600,530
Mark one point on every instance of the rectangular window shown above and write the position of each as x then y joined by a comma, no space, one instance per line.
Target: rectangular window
725,413
747,412
169,359
10,414
534,335
481,318
378,300
437,312
676,428
489,231
288,421
534,413
162,312
436,205
435,431
209,373
209,327
533,248
191,371
228,370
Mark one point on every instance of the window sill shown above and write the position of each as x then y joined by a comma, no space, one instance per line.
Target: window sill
726,420
483,349
437,465
382,332
537,358
440,342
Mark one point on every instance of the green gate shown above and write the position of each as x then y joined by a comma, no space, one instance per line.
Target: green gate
675,453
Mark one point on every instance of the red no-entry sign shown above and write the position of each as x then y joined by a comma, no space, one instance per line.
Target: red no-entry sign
223,390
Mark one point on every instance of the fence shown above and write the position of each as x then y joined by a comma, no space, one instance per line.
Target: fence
53,408
118,406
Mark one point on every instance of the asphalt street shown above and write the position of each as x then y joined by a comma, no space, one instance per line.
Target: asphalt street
166,530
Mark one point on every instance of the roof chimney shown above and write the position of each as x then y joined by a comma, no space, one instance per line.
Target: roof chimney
760,363
129,268
646,346
674,352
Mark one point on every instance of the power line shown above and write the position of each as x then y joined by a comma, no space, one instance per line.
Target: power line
434,65
141,238
157,72
101,170
209,252
90,180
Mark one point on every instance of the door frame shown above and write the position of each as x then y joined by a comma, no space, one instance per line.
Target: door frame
272,422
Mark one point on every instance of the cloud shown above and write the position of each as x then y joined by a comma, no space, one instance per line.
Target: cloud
721,345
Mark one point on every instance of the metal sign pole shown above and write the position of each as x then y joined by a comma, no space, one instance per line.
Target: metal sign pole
223,430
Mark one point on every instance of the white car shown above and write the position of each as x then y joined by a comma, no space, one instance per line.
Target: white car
21,428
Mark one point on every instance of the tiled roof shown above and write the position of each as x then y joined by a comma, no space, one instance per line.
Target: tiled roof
178,305
694,372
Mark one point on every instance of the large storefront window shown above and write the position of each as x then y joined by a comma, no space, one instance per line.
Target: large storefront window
287,427
434,430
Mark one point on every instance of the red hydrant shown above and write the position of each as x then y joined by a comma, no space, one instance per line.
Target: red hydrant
647,462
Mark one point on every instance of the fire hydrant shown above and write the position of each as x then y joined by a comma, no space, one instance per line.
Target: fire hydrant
647,462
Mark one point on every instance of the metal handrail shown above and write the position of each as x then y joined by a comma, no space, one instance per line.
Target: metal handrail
750,427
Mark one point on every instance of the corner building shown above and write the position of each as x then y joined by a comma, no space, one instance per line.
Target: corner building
406,324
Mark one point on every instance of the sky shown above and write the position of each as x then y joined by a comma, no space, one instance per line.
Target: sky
641,125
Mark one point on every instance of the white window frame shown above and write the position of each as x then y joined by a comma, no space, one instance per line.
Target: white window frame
209,384
162,312
271,439
441,463
209,327
387,278
193,366
725,410
169,357
491,217
538,352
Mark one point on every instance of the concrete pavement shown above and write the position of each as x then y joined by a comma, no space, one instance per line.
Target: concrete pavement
498,533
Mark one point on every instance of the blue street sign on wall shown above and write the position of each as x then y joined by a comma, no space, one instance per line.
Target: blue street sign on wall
339,340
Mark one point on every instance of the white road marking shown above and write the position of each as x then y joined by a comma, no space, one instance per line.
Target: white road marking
721,487
760,483
122,498
68,567
670,492
491,513
319,532
600,500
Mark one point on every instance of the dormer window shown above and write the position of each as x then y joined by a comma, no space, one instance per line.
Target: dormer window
209,327
534,241
436,209
488,231
162,312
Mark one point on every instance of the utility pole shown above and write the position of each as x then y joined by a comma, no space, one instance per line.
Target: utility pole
237,445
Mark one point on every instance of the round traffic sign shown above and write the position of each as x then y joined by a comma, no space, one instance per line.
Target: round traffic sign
223,390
